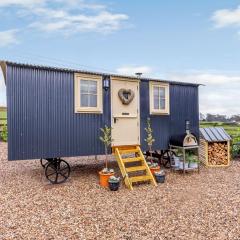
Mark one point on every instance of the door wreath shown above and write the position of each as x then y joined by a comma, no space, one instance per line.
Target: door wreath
126,95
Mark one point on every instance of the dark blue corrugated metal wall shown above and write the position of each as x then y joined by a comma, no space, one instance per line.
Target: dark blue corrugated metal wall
42,122
183,106
41,119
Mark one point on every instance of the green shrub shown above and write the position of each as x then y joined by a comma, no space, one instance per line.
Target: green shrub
235,151
4,133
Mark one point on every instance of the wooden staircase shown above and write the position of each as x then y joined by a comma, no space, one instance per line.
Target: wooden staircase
139,172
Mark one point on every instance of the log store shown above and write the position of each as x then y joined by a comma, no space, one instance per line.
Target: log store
214,147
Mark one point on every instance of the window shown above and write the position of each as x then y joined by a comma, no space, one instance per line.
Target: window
159,98
88,93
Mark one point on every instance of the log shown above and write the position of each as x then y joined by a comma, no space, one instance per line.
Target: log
218,153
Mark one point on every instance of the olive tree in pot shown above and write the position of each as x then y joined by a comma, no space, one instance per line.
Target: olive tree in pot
150,140
106,139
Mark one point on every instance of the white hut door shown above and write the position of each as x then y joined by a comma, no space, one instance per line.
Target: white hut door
125,116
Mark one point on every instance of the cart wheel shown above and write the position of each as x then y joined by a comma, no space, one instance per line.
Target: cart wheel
43,162
57,171
167,158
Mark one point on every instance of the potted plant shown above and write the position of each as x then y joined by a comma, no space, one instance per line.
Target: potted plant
176,160
180,166
192,161
160,176
106,139
113,183
150,140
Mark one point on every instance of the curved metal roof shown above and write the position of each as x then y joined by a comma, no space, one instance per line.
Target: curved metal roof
2,63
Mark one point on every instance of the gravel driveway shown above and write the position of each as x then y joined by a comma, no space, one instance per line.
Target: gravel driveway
194,206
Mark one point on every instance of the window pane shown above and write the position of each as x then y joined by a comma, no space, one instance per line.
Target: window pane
92,87
162,92
92,100
162,104
156,92
156,97
84,86
156,103
84,100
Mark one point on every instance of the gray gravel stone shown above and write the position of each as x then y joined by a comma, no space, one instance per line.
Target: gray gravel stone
195,206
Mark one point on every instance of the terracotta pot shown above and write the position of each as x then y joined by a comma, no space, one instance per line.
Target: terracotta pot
104,178
154,169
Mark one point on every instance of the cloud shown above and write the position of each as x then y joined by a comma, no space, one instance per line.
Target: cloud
206,78
131,70
23,3
67,17
226,17
8,37
102,22
81,4
220,95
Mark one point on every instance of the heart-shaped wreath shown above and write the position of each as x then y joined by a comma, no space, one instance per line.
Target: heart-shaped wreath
126,95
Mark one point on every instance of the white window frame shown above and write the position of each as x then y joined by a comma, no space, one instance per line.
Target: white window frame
77,83
154,111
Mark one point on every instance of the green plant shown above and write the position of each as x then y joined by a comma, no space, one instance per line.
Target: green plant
160,173
235,150
149,140
114,179
4,133
152,164
191,158
107,170
106,139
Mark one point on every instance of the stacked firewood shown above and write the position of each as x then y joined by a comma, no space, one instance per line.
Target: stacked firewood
218,153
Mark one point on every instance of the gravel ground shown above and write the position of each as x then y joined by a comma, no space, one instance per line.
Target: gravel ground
194,206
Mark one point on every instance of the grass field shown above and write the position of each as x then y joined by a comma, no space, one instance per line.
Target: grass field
3,116
232,129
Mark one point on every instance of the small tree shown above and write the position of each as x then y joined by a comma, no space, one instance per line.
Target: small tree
106,139
4,133
149,140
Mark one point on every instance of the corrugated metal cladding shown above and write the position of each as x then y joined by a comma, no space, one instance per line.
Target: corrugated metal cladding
214,134
183,106
42,122
41,118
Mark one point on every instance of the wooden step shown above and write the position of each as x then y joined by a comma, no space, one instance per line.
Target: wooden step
134,150
135,169
140,178
133,159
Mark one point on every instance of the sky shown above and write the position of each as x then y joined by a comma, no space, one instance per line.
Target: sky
189,41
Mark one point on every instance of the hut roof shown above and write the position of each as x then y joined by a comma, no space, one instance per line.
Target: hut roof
3,63
214,134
